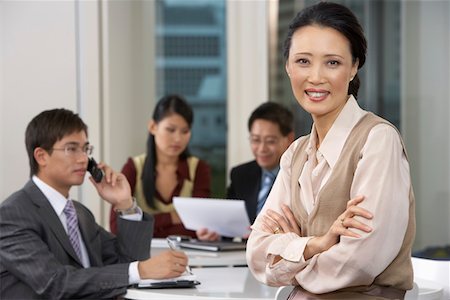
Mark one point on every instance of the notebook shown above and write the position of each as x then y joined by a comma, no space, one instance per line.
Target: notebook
183,281
213,246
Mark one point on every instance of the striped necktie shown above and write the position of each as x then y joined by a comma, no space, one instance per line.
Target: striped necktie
72,227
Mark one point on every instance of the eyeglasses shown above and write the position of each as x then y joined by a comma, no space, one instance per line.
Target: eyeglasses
75,150
269,141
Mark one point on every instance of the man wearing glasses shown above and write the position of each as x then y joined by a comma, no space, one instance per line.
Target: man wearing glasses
50,246
271,132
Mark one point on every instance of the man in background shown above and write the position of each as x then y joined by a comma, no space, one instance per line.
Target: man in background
271,132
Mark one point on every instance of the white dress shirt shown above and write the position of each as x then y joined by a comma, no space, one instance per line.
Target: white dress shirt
382,176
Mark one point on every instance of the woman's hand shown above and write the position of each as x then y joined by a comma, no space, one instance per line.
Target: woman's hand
204,234
340,227
274,222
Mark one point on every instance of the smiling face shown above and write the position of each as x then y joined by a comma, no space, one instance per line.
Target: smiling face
61,169
268,143
320,67
172,135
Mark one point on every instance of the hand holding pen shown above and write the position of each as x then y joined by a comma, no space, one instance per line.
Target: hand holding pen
174,246
164,265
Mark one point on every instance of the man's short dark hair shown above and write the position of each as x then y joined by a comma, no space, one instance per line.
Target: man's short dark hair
276,113
47,128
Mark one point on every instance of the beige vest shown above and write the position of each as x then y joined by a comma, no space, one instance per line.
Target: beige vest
333,197
161,207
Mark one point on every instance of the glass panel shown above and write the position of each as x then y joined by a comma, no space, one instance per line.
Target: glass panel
191,61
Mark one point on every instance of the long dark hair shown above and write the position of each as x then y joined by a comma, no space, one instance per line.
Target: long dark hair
340,18
167,105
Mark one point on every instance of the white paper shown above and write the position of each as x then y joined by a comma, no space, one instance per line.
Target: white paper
224,216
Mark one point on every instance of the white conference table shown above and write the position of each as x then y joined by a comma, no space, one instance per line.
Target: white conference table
238,283
216,284
198,258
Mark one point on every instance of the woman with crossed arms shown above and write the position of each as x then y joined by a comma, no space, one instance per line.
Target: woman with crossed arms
340,218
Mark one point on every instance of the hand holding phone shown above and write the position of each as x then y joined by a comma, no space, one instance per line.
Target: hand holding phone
96,173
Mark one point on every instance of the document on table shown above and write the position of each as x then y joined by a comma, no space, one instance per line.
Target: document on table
226,217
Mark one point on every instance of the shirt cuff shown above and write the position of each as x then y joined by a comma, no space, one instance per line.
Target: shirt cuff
290,247
134,217
295,249
133,273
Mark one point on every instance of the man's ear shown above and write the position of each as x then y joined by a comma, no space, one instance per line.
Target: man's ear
41,156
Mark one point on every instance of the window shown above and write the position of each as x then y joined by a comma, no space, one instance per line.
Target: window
191,61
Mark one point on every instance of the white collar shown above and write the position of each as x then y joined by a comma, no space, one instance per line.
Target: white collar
333,143
56,199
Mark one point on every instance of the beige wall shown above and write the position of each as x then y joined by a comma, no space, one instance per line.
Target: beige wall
425,114
38,59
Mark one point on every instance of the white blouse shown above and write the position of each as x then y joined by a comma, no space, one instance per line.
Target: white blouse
382,176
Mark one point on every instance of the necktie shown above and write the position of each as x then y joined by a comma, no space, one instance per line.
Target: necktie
266,185
72,227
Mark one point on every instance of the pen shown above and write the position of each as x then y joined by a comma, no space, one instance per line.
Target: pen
174,246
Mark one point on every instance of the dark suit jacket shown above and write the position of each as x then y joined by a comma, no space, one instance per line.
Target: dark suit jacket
37,260
245,185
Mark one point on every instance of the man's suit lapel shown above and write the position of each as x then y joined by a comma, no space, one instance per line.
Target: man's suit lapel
253,184
48,215
88,234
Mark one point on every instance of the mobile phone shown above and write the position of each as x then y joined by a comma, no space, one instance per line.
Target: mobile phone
96,173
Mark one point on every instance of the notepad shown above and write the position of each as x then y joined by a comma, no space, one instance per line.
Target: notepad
183,281
212,246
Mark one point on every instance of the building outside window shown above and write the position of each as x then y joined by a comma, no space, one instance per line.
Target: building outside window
191,61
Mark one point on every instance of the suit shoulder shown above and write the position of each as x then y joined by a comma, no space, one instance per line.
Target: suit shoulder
248,167
19,206
18,198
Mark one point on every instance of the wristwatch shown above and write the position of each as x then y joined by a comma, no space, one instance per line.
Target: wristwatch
134,209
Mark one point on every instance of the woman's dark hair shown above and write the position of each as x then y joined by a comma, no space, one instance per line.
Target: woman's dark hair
48,127
340,18
166,106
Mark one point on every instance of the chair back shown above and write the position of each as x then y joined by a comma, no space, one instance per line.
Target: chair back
434,271
283,292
